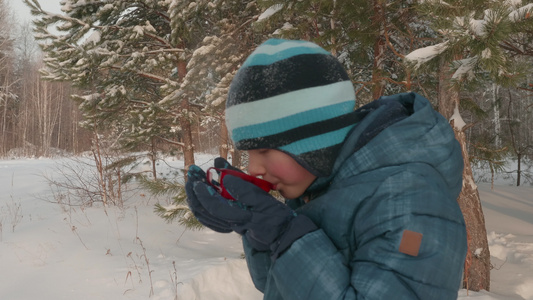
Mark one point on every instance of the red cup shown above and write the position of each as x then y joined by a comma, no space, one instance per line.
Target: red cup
263,184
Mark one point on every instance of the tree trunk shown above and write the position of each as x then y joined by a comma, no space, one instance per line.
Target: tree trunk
224,145
185,122
97,155
153,157
496,110
332,20
379,50
446,105
518,170
236,159
3,138
188,147
477,264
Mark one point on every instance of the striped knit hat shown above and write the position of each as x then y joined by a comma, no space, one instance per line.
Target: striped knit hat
295,97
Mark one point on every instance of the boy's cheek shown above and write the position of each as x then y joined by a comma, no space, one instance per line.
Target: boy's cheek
290,172
282,170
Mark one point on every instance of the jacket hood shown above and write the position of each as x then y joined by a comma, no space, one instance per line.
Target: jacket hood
396,130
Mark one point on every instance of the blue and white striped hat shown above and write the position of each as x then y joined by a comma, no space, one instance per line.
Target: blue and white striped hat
292,96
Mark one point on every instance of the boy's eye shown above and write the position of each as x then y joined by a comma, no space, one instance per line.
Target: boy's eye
262,151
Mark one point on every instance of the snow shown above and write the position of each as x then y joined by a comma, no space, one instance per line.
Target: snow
521,13
465,68
94,37
477,28
56,251
270,11
286,26
423,55
458,121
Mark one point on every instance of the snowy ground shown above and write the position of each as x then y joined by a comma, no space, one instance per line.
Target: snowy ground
51,251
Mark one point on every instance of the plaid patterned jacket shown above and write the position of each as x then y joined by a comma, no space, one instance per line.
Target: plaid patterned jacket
390,225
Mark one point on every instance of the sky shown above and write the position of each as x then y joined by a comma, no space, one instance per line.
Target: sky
22,11
23,18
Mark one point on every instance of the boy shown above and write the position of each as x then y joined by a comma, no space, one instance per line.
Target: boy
371,209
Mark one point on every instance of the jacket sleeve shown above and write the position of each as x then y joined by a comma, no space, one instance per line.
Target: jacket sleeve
270,279
259,264
371,266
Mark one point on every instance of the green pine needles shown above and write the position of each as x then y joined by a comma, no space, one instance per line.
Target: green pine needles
178,210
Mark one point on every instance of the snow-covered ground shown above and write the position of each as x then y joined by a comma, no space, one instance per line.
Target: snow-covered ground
52,251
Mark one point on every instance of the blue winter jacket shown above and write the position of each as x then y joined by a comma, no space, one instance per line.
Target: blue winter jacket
396,179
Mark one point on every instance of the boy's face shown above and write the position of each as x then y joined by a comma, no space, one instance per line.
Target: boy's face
278,168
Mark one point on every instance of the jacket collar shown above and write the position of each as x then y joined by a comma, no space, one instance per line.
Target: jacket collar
373,119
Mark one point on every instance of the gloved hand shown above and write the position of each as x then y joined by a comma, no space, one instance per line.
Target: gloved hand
197,175
221,163
268,224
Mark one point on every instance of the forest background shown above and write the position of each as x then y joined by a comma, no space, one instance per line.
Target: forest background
123,79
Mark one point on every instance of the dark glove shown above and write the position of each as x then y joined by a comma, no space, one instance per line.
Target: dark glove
221,163
223,168
195,176
267,223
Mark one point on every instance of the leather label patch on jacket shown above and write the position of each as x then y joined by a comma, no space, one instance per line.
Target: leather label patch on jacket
410,243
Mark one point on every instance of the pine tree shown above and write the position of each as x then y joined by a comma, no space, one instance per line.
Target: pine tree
478,39
222,45
227,38
369,37
121,56
119,53
148,68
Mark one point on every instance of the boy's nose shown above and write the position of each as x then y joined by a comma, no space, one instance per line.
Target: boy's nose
254,167
254,170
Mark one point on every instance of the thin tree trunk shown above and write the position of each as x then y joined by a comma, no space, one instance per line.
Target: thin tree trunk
24,121
74,129
153,156
3,139
519,170
514,144
59,115
379,50
224,143
332,27
496,111
99,166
